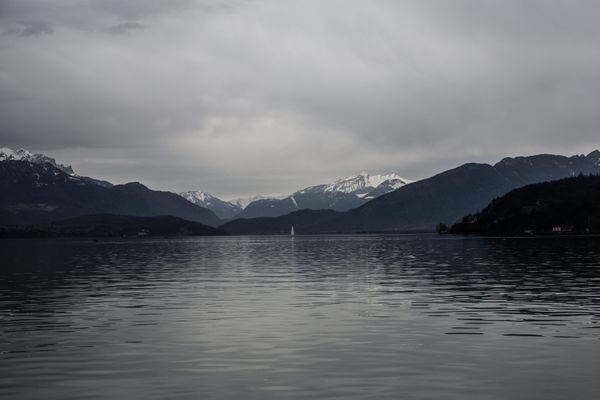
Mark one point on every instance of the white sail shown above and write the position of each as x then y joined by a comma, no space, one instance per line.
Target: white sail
292,233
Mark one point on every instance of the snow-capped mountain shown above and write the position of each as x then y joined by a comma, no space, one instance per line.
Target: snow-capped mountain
341,195
7,154
223,209
35,190
363,183
445,197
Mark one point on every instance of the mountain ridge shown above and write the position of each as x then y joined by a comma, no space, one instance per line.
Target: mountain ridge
37,193
449,195
569,205
37,189
223,209
340,195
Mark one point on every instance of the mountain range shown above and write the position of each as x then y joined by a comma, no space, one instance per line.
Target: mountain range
7,154
443,198
243,202
341,195
37,190
223,209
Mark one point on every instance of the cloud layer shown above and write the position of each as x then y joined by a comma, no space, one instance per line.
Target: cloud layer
241,97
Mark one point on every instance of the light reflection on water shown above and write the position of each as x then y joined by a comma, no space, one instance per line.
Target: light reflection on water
415,317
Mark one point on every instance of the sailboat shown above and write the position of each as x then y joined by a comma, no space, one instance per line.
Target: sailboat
292,233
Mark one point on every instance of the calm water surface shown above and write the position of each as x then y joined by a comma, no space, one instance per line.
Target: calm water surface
381,317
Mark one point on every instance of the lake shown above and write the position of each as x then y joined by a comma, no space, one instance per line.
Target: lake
364,317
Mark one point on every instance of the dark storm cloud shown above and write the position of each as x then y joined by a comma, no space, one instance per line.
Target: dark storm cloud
265,96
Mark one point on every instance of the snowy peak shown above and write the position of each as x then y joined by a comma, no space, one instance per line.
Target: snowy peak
10,154
364,183
341,195
198,197
222,209
7,154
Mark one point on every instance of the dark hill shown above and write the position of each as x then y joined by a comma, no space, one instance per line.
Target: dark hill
108,225
448,196
566,205
302,221
421,205
41,193
337,201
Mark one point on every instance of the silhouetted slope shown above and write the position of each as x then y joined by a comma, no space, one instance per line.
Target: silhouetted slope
421,205
137,199
521,171
341,195
108,225
267,208
337,201
302,221
222,209
571,204
448,196
40,193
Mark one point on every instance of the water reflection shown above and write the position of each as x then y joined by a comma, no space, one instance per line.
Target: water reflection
271,317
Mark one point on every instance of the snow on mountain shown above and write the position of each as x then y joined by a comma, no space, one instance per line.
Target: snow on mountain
341,195
7,154
294,201
26,155
364,183
223,209
200,198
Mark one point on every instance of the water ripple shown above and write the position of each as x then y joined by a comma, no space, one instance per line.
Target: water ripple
309,317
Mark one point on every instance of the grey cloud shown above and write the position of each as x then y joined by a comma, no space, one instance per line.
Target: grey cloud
124,28
29,28
136,9
242,97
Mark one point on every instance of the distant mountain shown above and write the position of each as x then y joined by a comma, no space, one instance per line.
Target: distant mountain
302,221
108,225
443,198
448,196
570,205
340,195
7,154
298,201
37,193
243,202
37,190
364,184
223,209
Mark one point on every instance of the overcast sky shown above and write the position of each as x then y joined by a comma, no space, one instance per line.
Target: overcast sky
244,97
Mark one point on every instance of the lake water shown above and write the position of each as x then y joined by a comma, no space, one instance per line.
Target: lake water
365,317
